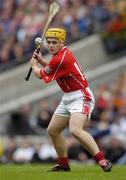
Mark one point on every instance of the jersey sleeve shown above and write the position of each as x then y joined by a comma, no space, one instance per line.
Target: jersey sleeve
54,69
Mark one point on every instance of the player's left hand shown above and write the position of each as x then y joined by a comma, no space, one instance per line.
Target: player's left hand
33,62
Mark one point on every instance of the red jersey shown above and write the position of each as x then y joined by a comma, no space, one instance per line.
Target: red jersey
64,68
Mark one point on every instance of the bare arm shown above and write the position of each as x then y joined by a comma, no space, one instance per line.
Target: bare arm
40,59
34,64
37,58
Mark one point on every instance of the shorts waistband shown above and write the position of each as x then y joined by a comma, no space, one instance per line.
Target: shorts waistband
79,90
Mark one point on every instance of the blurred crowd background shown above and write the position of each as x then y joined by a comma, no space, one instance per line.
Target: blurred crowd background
23,20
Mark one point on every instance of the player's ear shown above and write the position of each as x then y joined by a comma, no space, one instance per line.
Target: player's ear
62,43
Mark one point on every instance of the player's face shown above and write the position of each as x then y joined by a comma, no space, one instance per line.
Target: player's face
54,45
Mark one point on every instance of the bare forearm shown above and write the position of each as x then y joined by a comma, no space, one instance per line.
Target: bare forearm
36,70
40,59
37,58
43,62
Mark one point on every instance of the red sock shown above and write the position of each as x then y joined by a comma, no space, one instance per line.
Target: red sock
63,161
99,156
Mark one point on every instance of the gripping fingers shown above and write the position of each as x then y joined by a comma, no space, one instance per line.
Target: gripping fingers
33,62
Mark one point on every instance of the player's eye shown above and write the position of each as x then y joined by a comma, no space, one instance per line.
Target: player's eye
52,42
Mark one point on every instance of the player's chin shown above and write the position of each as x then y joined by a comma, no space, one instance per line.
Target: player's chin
52,52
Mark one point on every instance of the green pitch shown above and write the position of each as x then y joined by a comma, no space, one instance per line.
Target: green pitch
79,172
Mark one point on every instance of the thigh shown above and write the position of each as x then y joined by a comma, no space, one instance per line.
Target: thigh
58,123
77,121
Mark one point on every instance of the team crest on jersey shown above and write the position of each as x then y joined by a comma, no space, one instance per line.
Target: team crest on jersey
48,69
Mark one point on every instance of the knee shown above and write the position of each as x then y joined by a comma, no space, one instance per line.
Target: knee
75,132
51,131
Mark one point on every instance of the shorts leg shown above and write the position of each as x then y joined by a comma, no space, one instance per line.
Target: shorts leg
61,110
81,106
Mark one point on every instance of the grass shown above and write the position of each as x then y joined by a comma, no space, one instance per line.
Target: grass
79,172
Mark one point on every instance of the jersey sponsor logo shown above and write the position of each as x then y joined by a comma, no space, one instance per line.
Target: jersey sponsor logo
48,70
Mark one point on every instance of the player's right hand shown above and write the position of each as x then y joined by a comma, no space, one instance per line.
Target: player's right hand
38,57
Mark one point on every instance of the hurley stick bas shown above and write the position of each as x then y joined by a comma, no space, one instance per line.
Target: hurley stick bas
54,8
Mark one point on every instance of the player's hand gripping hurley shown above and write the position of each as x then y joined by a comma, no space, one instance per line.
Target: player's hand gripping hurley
54,8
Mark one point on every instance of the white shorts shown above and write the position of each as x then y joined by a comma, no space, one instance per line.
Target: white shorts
77,101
